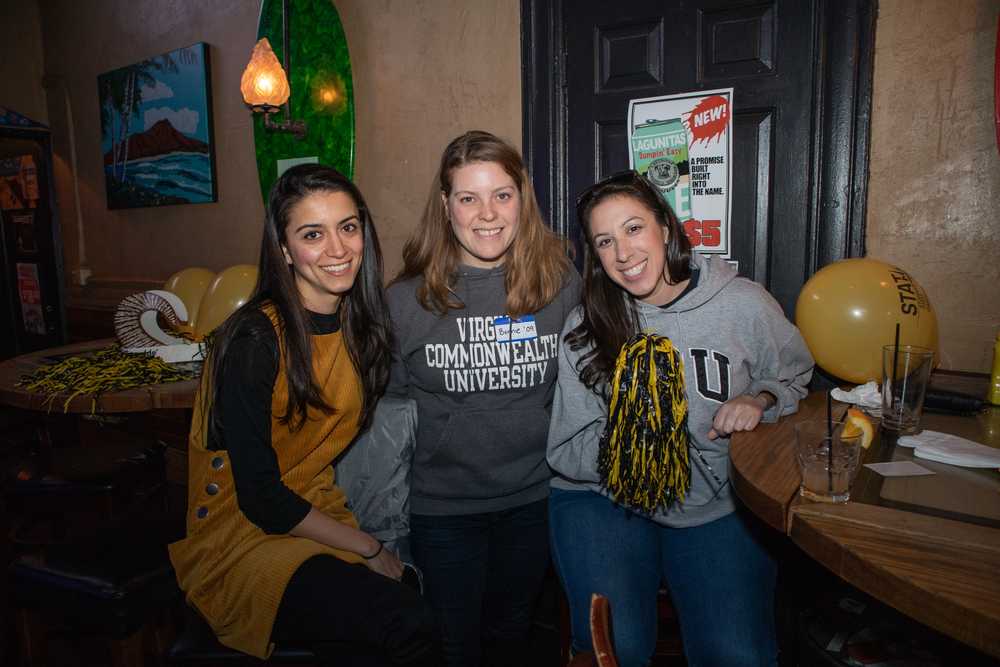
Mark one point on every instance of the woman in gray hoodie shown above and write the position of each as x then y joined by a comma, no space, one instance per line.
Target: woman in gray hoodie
477,312
736,361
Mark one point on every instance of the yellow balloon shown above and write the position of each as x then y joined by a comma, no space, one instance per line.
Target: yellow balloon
230,290
190,285
849,309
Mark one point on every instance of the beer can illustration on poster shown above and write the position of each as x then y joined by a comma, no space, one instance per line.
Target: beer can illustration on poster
683,143
660,152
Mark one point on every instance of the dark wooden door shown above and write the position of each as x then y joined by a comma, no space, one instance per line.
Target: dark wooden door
801,77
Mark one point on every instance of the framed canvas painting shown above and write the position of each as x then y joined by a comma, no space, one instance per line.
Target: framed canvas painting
156,131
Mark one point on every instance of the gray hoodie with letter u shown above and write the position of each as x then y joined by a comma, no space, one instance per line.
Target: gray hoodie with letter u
734,339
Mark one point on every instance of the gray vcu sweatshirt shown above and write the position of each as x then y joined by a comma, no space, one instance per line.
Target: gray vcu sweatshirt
483,385
734,339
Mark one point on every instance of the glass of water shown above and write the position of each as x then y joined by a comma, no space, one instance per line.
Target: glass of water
827,461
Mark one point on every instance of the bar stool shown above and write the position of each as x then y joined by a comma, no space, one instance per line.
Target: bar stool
669,649
53,494
115,585
90,530
844,626
197,645
601,637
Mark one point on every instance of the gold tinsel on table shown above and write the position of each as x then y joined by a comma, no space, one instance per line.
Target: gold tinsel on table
99,373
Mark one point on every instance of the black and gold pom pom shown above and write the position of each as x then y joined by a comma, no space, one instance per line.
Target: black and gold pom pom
643,456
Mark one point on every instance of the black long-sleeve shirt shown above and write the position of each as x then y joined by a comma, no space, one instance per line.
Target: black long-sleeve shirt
244,406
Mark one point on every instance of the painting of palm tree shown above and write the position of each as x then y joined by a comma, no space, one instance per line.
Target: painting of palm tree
156,130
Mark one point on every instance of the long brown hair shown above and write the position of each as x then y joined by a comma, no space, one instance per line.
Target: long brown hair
367,332
536,264
610,317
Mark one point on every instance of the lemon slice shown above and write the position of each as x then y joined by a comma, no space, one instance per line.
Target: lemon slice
857,423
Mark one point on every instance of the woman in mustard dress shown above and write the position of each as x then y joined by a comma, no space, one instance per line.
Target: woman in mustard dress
272,552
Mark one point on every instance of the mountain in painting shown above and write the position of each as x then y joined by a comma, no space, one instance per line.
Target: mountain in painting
160,139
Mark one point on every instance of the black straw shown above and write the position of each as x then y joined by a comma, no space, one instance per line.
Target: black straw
892,387
829,444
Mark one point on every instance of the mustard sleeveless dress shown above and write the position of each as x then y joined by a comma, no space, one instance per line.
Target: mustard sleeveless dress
232,572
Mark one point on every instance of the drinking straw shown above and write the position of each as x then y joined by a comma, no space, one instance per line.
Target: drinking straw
829,444
892,387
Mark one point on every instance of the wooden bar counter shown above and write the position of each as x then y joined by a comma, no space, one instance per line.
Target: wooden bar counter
928,546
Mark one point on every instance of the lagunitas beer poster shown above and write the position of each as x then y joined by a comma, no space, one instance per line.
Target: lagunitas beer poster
683,144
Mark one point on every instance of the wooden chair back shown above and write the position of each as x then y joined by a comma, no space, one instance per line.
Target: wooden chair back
600,631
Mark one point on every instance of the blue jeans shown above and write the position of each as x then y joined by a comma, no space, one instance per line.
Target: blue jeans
721,581
482,575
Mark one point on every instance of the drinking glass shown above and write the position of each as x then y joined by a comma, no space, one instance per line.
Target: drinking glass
906,370
827,461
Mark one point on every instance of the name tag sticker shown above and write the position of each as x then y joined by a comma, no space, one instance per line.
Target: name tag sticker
513,329
501,329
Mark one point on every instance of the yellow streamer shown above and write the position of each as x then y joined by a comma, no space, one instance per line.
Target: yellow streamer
108,370
643,456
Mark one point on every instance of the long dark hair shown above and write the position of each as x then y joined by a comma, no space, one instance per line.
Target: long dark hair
610,316
536,263
363,312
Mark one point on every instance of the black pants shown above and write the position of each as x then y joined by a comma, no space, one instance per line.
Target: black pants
355,617
482,575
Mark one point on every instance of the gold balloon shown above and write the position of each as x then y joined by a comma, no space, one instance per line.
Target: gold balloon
230,290
849,309
190,285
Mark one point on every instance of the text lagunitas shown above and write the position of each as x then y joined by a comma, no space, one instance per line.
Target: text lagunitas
660,151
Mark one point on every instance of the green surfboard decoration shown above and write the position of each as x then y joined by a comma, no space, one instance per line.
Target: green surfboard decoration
322,89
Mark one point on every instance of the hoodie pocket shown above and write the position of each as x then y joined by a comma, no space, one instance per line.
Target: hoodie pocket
483,454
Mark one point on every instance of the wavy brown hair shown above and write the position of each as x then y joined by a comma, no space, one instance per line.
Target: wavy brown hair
610,317
536,263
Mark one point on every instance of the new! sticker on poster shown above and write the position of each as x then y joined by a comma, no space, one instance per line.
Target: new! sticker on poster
683,144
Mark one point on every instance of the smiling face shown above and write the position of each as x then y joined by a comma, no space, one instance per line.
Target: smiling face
323,246
631,246
484,208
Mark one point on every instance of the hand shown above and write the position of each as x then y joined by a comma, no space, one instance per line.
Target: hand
742,413
387,564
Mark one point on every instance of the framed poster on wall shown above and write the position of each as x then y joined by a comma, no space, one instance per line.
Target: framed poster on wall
156,130
683,143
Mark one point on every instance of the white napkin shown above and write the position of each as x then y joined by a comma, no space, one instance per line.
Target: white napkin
899,469
866,396
951,449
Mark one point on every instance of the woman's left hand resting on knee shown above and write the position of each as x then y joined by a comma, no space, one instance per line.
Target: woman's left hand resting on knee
742,413
325,530
386,563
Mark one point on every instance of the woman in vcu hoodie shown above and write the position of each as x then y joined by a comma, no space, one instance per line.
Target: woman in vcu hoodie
669,353
477,313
